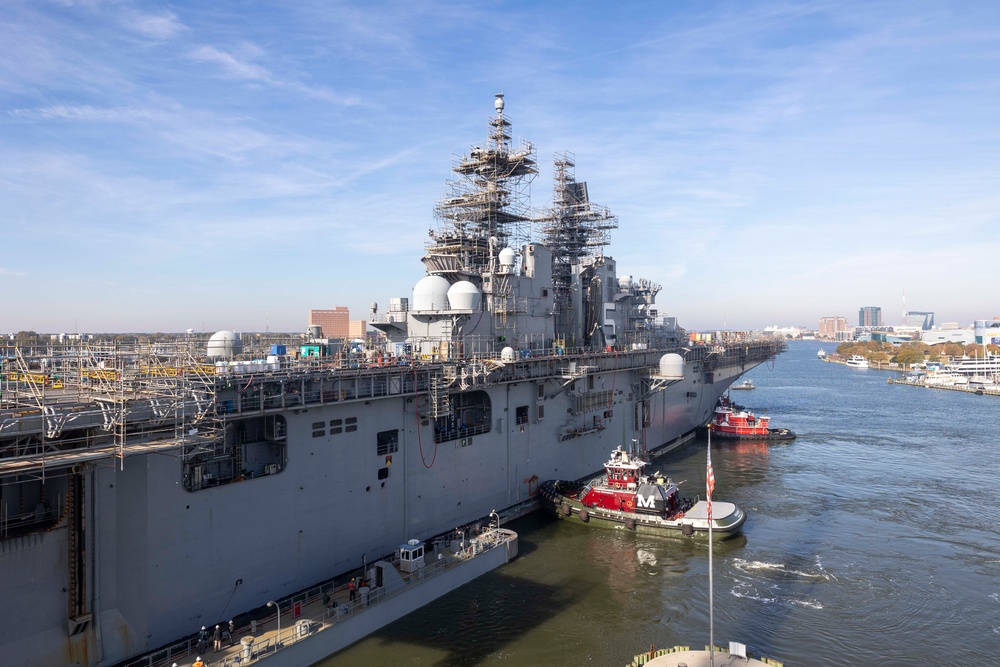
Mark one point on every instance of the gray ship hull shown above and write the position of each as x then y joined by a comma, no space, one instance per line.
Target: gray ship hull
165,561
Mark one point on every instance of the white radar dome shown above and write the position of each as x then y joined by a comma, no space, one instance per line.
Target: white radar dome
463,295
224,344
625,283
507,354
507,259
672,366
431,293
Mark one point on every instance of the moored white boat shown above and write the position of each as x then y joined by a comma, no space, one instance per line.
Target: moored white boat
857,361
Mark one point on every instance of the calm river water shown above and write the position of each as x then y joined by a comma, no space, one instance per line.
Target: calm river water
874,538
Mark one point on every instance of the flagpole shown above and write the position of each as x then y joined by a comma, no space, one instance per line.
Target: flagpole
709,485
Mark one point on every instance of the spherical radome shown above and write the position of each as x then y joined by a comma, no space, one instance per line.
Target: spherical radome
463,295
431,293
224,344
672,365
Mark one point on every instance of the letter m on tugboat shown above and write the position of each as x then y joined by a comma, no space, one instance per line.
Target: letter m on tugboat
645,501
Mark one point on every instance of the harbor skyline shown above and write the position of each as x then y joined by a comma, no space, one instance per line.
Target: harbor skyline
228,167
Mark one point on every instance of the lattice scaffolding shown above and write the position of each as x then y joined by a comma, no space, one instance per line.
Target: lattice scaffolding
488,207
574,228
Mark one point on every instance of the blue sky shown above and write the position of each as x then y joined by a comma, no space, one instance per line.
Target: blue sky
215,165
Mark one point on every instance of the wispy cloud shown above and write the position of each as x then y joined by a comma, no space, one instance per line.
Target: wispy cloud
85,113
231,65
156,26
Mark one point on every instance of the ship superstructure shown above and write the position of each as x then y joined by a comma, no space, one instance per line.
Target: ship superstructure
149,487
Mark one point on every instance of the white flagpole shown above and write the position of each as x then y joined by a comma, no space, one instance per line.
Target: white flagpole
711,607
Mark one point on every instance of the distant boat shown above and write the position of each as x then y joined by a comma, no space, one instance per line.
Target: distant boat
746,384
857,361
821,354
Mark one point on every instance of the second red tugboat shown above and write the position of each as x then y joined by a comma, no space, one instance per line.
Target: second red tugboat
735,422
628,499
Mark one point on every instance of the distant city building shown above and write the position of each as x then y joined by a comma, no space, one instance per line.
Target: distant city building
938,336
787,332
987,332
357,329
830,326
870,316
916,318
889,337
334,323
865,333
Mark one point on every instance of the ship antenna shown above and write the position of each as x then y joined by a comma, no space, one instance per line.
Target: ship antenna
709,486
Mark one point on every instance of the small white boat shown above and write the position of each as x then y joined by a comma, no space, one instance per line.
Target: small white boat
857,361
746,384
821,354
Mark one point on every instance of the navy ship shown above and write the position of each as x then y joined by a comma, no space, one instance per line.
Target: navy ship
150,487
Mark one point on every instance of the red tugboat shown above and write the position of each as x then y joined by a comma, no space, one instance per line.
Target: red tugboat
734,421
628,499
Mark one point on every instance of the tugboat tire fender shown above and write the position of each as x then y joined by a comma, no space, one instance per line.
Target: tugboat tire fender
630,524
584,516
565,509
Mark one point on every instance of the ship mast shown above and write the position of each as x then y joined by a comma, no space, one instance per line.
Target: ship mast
576,229
487,208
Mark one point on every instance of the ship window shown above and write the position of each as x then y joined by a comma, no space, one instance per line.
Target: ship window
388,442
541,412
541,390
590,382
383,473
352,424
319,429
335,426
521,415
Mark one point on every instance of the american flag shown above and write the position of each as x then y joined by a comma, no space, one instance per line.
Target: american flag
709,482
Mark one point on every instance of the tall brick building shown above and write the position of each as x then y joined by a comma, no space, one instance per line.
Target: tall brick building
335,323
